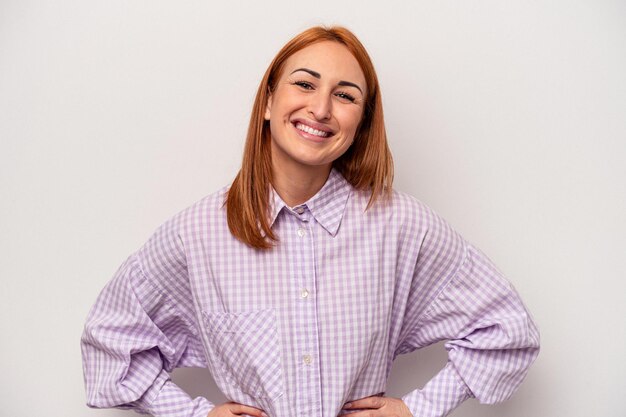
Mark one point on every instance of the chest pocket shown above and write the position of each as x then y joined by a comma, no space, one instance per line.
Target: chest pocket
246,351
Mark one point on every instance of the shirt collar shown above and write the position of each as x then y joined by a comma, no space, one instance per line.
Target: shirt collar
327,206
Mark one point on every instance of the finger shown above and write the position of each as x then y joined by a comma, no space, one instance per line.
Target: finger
367,402
366,413
246,409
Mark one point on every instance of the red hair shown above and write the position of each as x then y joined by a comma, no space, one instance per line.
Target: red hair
367,164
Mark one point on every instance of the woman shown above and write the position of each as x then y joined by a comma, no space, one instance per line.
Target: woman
300,283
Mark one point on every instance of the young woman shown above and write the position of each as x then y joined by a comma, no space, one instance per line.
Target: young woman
299,283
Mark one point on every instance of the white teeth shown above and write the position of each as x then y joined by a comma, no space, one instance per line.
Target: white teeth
309,129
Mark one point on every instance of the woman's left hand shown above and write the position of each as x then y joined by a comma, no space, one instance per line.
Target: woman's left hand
378,407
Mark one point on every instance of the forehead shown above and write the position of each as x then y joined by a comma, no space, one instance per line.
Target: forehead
331,59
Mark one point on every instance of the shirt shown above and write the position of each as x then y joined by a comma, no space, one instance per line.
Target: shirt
313,323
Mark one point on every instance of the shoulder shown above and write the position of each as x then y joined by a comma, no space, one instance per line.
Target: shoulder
417,220
196,215
167,244
407,206
410,217
406,209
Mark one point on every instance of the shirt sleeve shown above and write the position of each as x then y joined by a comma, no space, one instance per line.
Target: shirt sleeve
136,333
490,337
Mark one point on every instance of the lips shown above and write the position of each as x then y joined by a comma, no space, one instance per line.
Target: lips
312,128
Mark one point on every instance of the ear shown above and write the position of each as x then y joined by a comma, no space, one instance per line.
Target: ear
268,106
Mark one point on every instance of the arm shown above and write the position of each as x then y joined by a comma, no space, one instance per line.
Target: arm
491,339
452,292
137,332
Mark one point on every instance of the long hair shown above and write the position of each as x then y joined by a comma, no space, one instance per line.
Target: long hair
367,164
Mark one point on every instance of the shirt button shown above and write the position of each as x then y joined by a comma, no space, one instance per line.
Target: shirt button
307,359
304,293
299,210
301,232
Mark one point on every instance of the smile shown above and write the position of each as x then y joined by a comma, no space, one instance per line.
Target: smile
311,131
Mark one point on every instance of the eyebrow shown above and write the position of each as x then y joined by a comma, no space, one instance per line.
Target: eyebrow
319,76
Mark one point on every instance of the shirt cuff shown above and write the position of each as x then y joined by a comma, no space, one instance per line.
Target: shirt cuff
171,401
440,395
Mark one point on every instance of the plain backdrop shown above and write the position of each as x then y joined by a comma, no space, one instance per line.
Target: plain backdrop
507,118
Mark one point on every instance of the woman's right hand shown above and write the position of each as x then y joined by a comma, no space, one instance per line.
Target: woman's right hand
235,409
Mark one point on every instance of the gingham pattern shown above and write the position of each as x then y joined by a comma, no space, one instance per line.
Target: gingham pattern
311,324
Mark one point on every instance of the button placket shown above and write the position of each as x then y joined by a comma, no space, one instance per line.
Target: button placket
302,242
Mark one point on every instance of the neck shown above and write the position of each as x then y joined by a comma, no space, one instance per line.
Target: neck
295,186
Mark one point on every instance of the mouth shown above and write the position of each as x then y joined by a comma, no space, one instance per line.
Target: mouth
317,131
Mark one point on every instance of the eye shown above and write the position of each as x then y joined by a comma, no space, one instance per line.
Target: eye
346,97
304,85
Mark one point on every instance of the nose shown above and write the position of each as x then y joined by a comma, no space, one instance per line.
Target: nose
320,106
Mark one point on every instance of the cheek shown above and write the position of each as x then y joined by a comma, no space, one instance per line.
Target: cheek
285,101
351,120
275,127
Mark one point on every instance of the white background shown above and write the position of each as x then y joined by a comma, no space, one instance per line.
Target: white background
507,118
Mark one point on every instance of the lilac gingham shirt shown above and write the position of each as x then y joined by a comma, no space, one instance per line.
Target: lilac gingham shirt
311,324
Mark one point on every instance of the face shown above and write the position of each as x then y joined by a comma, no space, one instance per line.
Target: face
316,107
